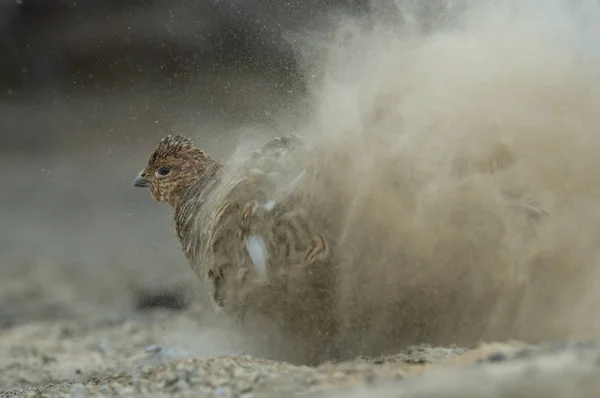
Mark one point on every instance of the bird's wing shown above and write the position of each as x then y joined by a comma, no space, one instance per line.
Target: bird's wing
278,229
260,231
224,252
276,148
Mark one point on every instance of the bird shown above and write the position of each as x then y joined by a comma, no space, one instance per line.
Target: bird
243,228
269,234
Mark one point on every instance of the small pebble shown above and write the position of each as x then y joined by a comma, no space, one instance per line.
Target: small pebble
497,357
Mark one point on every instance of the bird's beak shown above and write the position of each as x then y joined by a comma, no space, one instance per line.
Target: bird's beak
141,182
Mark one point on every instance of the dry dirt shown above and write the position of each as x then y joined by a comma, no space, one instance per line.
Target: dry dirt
147,356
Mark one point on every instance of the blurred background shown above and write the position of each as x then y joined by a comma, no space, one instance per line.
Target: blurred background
87,88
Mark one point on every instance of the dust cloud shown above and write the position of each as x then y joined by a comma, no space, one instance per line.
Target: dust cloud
457,150
462,163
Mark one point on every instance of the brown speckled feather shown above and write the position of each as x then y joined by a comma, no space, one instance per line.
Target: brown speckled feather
238,229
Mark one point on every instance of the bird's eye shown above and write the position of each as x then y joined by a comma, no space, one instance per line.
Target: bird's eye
163,171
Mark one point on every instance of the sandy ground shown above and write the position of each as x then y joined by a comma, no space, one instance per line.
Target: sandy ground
146,355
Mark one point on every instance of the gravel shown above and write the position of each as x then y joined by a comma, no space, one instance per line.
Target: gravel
138,356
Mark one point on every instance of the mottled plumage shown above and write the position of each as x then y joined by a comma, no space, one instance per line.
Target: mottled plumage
241,229
292,233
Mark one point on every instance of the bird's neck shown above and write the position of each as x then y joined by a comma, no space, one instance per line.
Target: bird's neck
190,206
192,198
198,185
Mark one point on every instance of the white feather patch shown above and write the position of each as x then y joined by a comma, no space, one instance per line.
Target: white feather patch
270,205
258,253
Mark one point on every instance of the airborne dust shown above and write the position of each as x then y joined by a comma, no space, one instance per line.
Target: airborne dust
464,157
462,145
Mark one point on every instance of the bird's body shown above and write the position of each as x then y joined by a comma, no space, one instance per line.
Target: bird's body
287,235
243,229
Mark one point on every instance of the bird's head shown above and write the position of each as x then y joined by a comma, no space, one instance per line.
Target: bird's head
174,166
